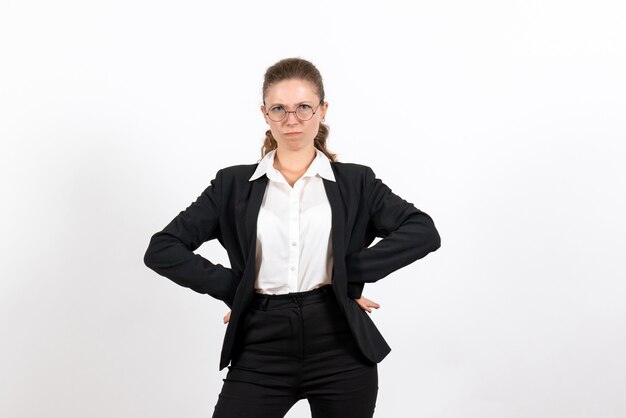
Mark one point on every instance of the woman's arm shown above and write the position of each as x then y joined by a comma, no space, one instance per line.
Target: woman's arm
408,234
170,252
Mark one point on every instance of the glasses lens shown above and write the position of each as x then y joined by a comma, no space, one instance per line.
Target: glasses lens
277,113
304,112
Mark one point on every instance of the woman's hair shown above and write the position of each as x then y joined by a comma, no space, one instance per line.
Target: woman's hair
301,69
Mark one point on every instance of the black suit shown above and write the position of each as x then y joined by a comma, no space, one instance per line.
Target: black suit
363,208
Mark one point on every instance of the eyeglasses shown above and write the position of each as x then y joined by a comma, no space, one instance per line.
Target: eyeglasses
304,112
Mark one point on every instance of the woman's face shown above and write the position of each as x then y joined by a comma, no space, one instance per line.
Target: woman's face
292,133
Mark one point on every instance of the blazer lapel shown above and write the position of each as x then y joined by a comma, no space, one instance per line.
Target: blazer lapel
249,215
338,235
245,289
252,212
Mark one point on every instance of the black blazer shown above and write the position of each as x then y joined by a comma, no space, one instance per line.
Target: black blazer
363,208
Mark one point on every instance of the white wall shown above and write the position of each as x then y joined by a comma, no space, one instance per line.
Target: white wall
502,120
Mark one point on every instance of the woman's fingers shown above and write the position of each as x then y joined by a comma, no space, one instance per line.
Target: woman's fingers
366,304
227,317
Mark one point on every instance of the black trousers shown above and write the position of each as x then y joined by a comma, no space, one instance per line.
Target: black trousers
298,346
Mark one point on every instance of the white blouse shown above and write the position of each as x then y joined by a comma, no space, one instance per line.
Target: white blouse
293,242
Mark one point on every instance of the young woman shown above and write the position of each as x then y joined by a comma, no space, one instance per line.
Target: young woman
297,227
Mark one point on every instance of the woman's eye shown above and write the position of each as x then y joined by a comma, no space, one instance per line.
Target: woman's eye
305,107
276,109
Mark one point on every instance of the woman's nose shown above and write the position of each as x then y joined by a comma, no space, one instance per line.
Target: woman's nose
295,119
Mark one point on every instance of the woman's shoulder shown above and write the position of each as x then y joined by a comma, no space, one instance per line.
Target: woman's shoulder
349,166
350,169
238,170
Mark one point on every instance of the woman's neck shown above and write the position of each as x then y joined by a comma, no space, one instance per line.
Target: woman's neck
294,161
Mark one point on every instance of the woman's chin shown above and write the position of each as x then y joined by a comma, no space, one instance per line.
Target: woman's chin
295,143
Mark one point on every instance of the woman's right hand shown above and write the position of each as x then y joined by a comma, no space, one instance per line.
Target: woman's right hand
227,317
366,304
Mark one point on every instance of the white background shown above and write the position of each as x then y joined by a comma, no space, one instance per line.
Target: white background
503,120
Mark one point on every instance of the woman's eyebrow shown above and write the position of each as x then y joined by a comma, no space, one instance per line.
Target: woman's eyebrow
303,102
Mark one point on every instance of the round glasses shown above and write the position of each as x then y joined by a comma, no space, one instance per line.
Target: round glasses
304,112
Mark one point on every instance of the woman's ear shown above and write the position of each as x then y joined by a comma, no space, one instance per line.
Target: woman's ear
264,115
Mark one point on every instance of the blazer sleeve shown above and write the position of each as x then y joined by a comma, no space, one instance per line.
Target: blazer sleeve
408,234
171,254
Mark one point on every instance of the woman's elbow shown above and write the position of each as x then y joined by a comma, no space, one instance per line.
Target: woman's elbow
429,236
150,257
436,240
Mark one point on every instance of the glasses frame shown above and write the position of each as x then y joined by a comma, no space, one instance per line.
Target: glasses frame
287,112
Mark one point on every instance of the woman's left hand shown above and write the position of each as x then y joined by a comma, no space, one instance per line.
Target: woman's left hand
366,304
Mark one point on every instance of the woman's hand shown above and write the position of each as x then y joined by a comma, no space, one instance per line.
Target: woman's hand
366,304
227,317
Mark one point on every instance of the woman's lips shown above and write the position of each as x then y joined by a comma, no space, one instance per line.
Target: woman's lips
293,133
